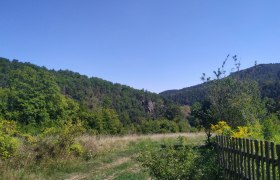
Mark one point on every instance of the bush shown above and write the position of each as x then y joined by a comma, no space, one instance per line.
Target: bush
46,148
221,128
159,126
187,162
103,121
77,149
270,129
65,132
8,146
169,163
184,126
8,143
241,132
59,141
253,131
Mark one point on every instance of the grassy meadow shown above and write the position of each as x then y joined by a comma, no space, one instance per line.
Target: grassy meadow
105,157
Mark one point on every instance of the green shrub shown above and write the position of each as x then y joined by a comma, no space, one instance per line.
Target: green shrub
59,141
8,146
46,148
8,143
169,163
159,126
270,128
103,121
184,126
77,149
186,162
182,140
29,138
65,133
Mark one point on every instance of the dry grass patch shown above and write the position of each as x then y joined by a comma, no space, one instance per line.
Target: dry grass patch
102,144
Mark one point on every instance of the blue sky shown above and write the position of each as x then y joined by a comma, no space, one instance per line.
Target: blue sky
152,44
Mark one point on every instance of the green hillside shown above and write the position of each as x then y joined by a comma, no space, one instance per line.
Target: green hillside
35,95
267,76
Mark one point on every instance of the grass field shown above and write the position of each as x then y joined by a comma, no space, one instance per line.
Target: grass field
113,157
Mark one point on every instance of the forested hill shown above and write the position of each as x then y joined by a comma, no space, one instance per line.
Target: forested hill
30,93
267,76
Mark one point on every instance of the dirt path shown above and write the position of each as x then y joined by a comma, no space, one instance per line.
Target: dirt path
133,169
102,169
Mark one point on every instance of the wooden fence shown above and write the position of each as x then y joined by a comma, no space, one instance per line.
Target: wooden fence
248,159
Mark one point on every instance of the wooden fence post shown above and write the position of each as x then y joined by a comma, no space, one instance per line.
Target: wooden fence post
249,159
253,158
229,157
278,158
257,159
267,160
234,158
241,158
262,159
245,156
273,161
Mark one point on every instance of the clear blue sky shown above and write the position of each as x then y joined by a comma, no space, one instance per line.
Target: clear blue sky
151,44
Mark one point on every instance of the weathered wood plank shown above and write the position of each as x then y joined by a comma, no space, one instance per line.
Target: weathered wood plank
273,160
267,160
278,158
248,158
245,158
224,154
234,158
240,163
258,174
218,150
253,158
262,159
240,159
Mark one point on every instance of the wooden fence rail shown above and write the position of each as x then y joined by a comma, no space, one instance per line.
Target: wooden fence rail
248,159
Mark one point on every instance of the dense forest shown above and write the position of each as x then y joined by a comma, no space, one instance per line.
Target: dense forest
37,97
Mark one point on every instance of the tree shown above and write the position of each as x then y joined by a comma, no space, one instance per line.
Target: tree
111,121
104,121
34,97
173,112
230,99
236,101
202,111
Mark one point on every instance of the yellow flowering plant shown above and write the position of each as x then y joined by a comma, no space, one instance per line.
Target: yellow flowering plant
241,132
9,144
221,128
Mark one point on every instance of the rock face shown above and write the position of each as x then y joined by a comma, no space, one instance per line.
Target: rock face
150,106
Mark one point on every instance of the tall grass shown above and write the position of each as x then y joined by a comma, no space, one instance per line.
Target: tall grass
101,144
